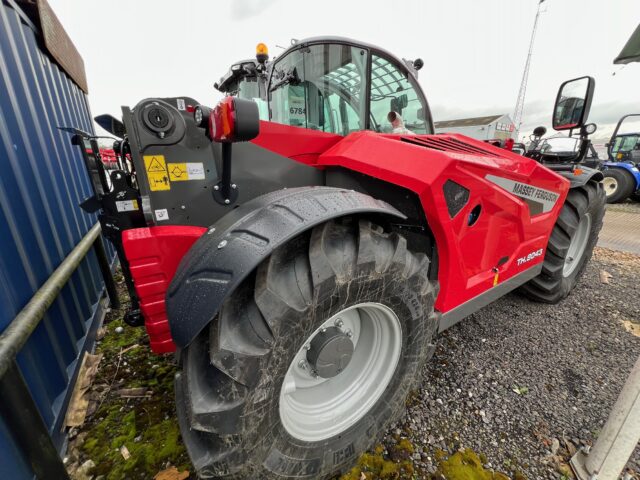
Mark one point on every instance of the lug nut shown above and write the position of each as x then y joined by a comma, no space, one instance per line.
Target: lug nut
349,333
222,244
307,346
227,201
323,330
302,364
216,187
338,323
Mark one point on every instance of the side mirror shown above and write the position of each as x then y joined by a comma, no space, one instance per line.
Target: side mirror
111,124
573,103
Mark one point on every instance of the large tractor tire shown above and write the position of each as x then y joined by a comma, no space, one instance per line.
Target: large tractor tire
571,244
310,359
618,184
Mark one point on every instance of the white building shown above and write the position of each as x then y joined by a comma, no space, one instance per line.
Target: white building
482,128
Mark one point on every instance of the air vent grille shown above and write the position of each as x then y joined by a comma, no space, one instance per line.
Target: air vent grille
445,143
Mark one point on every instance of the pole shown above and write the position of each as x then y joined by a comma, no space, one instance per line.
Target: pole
519,110
23,419
619,437
107,274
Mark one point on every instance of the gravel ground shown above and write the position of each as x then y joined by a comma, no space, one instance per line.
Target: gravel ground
568,363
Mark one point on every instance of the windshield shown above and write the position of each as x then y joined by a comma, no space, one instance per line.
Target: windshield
320,87
327,87
392,91
562,146
626,143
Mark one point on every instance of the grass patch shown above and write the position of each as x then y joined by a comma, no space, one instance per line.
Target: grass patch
147,425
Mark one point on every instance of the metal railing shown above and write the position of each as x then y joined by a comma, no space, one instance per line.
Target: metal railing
17,406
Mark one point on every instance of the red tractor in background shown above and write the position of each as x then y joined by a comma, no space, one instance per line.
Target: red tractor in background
303,266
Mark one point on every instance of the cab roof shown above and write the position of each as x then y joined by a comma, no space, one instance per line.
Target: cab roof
349,41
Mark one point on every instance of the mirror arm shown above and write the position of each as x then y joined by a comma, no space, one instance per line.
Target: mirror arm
225,192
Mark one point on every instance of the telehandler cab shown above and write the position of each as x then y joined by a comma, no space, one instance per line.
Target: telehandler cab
302,266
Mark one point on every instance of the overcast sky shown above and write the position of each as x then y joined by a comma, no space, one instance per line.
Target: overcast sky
473,50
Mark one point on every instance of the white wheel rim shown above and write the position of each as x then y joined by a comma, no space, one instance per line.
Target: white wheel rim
577,246
610,185
314,409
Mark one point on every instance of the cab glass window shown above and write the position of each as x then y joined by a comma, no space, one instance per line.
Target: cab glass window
626,143
393,91
321,87
248,87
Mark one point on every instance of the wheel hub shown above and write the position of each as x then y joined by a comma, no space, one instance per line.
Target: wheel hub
610,186
330,353
340,371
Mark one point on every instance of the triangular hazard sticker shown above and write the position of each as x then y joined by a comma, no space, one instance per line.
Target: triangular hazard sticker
155,166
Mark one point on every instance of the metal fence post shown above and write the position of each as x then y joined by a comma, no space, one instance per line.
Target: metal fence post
21,415
107,274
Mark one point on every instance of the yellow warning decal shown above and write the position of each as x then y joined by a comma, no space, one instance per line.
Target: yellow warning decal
178,172
156,172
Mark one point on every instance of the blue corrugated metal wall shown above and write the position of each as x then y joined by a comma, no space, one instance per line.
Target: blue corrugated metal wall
42,180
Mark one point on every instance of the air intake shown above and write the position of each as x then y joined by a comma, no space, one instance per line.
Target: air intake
445,143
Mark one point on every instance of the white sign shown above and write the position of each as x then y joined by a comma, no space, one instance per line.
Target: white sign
162,214
297,109
195,171
127,205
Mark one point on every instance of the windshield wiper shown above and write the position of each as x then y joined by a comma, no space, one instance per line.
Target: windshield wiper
289,78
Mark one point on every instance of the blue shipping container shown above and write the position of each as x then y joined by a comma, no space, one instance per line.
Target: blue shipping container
42,181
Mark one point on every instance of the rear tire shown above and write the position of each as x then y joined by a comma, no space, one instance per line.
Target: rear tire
231,390
571,244
618,184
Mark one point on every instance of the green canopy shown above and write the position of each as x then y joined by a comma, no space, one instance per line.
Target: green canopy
631,51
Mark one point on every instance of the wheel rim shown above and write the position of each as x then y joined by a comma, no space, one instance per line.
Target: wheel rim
577,246
610,185
314,408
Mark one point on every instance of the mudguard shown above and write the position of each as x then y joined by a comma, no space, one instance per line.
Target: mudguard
235,245
629,167
582,179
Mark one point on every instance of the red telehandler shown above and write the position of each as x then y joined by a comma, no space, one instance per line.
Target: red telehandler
302,266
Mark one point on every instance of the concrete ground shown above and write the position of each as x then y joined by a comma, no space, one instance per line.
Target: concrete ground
621,230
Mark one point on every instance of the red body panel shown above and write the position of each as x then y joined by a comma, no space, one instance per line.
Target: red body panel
469,256
154,254
300,144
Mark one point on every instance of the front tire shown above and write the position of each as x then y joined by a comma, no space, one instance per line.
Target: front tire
618,184
571,244
263,393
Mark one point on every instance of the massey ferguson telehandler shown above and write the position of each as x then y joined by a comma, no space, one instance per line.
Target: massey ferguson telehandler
302,266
